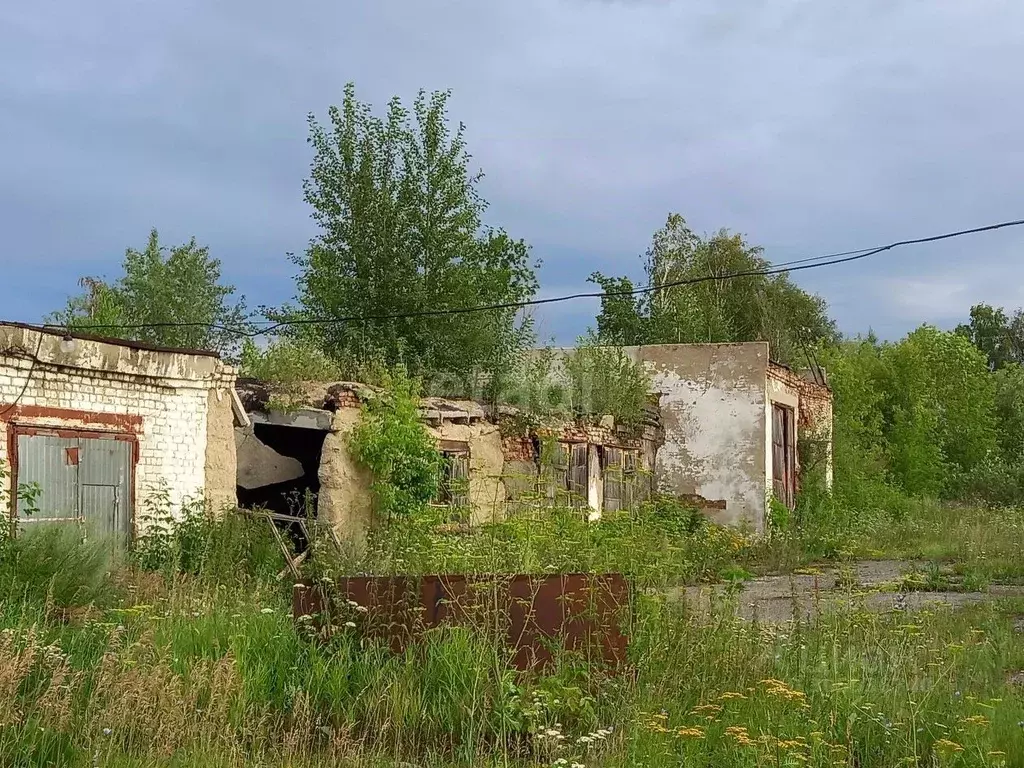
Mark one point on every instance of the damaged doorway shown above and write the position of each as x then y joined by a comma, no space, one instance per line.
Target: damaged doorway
279,465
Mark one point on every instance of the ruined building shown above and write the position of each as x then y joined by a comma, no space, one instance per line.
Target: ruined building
724,431
492,465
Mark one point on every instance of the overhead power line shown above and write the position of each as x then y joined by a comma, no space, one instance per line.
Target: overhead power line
798,265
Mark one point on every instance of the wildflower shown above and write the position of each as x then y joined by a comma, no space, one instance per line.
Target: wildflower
107,731
946,744
690,733
267,610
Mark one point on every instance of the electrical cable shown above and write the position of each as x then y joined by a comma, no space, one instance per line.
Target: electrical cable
798,265
28,377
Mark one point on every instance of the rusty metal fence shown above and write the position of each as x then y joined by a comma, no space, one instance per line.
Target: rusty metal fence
537,617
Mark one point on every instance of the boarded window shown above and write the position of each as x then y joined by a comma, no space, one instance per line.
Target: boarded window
614,487
577,473
625,482
453,485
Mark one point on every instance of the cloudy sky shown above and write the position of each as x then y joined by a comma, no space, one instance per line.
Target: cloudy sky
809,125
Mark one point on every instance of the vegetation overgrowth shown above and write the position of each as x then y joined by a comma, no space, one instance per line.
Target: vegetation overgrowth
183,652
196,661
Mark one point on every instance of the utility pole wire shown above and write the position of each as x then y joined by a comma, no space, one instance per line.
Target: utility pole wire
798,265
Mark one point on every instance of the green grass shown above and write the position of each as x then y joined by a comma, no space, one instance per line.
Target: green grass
202,670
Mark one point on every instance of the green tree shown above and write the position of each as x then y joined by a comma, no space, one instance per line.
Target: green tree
173,297
752,308
401,233
1000,337
1009,395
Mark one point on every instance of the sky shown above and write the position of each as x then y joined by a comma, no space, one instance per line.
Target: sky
810,126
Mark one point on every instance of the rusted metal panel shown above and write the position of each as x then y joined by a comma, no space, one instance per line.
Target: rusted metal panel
533,615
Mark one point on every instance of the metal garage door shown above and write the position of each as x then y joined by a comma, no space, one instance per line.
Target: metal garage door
84,480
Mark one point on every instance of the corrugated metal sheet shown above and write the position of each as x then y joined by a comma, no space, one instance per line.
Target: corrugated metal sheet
44,460
81,479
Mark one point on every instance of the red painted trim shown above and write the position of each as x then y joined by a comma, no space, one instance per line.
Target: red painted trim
124,422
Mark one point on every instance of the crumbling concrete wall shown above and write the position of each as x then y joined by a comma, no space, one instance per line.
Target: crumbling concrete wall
161,399
713,406
345,500
221,462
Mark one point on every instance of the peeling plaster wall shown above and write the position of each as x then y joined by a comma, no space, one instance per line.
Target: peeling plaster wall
486,467
162,399
221,459
345,499
713,409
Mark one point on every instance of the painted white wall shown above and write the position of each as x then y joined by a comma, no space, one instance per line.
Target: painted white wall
167,392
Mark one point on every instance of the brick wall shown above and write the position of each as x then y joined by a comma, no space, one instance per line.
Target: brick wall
159,400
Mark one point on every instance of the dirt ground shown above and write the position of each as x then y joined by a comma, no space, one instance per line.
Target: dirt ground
871,584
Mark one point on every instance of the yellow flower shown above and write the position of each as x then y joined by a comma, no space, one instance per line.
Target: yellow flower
975,720
946,744
731,695
690,733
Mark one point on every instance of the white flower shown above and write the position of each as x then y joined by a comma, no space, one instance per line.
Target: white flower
350,624
361,608
577,765
107,731
267,610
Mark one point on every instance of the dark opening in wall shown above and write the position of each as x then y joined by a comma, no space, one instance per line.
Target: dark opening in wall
296,497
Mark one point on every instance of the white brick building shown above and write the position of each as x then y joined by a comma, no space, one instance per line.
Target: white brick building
107,428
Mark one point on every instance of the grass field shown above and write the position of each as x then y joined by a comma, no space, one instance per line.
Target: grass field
118,666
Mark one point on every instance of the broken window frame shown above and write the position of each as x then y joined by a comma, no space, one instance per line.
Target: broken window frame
453,478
